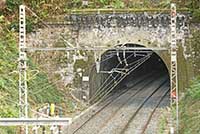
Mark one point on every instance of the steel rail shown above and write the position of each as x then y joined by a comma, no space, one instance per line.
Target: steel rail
117,117
98,111
154,110
97,49
139,90
140,107
34,121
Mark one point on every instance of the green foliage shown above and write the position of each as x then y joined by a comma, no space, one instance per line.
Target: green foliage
12,5
71,106
194,90
164,3
76,3
40,91
11,11
103,2
189,109
196,15
1,18
7,130
80,64
118,4
30,23
162,125
194,6
8,111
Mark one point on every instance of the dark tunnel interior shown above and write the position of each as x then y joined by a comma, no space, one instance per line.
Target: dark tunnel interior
131,64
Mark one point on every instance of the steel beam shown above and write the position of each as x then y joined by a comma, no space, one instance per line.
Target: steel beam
34,121
173,73
22,65
97,48
23,96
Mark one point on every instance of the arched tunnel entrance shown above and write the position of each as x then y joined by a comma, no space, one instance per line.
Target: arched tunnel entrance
121,69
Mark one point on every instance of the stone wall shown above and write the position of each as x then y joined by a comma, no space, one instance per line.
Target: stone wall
146,30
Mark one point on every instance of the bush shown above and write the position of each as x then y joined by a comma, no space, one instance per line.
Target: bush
13,5
196,15
189,109
118,4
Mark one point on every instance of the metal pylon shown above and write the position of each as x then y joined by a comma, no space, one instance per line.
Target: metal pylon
23,104
173,75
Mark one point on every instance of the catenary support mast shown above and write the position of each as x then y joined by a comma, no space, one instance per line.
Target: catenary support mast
174,77
23,103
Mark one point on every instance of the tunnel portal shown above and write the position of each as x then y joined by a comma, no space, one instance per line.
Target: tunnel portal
119,69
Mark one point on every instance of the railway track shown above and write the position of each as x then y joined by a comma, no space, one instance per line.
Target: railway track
117,113
140,120
87,115
157,105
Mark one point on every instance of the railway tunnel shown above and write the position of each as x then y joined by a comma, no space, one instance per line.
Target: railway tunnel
121,69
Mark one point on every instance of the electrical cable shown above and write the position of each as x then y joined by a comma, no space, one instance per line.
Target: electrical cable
34,14
101,90
45,87
110,76
115,84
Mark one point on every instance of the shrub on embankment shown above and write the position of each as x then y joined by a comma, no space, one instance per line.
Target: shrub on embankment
190,109
9,77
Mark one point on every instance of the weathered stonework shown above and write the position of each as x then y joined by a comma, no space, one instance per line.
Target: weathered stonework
109,31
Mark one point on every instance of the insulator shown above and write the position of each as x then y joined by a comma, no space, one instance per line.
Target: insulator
98,65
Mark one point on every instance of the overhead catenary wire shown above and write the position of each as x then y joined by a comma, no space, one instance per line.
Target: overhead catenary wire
119,64
115,84
109,89
54,82
100,89
110,76
34,14
46,87
111,85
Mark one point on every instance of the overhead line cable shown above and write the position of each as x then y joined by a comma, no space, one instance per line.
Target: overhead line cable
34,14
100,89
112,81
102,85
122,77
46,87
110,77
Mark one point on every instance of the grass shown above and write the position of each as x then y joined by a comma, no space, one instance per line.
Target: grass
40,89
189,109
9,77
162,123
